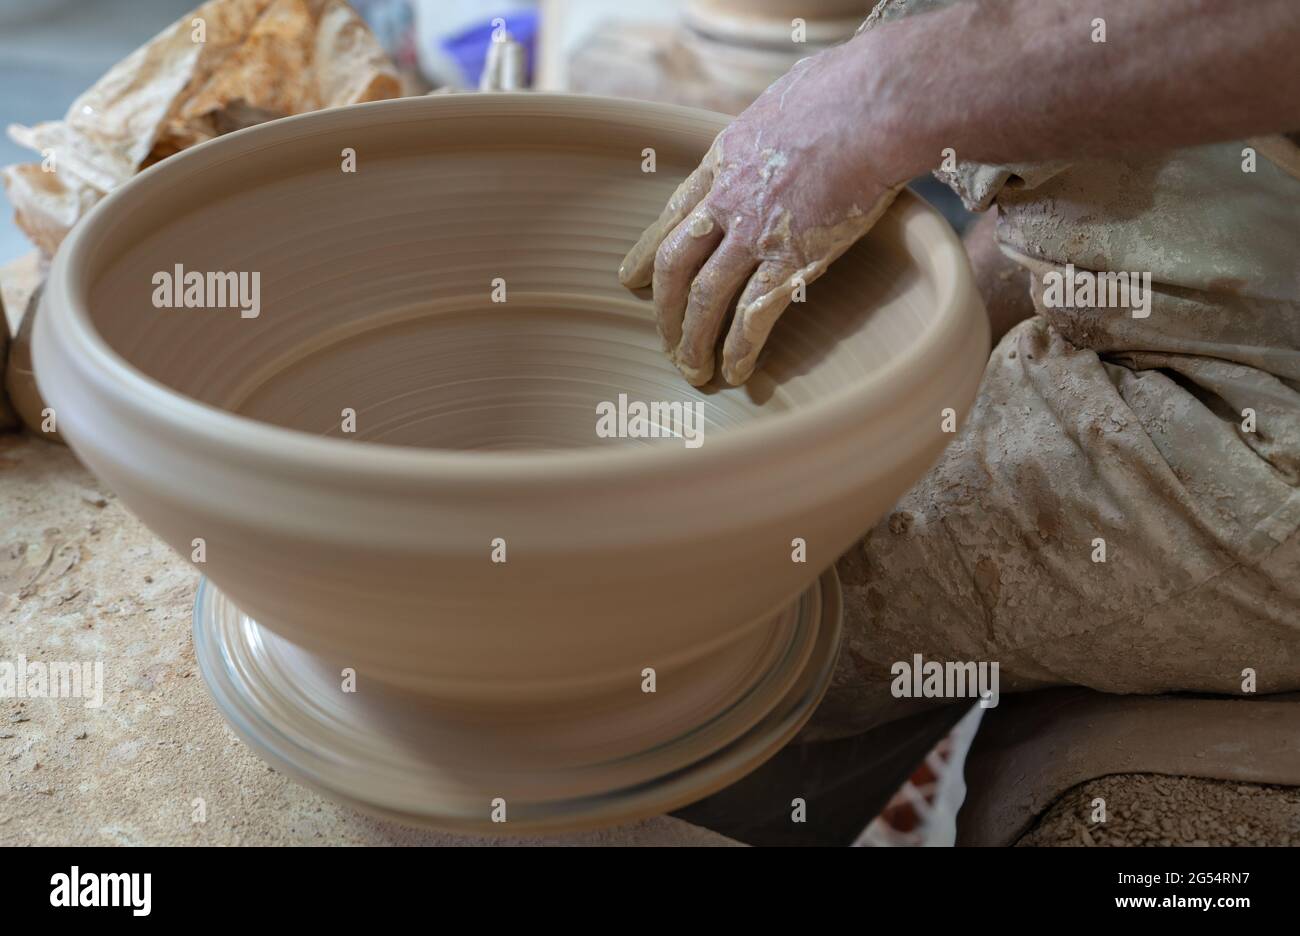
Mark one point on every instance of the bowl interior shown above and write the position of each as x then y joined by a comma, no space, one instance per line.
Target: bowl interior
459,289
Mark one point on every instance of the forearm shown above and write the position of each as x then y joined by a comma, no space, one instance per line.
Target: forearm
1005,81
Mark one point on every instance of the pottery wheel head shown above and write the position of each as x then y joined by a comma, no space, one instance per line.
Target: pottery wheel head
559,768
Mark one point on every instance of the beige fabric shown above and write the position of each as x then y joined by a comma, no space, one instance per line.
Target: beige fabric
1095,424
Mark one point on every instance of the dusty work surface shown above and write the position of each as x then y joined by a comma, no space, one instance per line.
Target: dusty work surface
81,580
1151,809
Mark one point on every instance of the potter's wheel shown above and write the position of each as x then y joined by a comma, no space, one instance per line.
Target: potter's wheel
577,764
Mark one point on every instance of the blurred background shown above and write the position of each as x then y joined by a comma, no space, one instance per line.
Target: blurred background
716,54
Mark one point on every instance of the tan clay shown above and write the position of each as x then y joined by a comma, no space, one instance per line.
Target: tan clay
20,402
769,22
8,418
458,295
20,381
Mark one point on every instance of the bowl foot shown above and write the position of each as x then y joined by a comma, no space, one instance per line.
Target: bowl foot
512,769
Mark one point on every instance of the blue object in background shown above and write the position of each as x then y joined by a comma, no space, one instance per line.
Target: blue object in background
469,48
393,23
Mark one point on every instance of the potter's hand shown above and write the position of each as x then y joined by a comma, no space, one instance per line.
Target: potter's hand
783,191
811,164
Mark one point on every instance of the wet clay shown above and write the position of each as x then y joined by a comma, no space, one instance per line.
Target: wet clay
20,380
20,285
8,418
720,57
766,239
377,296
769,22
470,537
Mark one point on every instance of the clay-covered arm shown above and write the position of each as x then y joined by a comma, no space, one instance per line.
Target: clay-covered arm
1012,81
809,166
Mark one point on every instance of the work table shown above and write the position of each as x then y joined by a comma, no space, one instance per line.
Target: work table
82,580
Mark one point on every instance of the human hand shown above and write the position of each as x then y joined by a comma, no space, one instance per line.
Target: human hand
790,185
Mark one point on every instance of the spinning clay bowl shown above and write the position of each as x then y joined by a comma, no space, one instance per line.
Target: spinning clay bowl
475,421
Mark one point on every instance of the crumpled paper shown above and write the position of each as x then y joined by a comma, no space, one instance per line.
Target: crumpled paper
227,65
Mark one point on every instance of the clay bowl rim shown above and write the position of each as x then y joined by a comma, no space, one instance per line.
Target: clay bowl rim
226,435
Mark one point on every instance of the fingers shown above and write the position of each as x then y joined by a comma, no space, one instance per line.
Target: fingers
774,285
635,271
676,264
706,308
767,295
